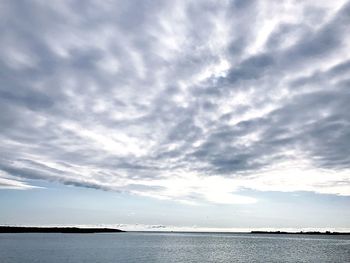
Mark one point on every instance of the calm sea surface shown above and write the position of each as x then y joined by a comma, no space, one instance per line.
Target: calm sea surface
171,247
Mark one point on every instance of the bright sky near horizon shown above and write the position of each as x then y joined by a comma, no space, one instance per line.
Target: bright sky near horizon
184,114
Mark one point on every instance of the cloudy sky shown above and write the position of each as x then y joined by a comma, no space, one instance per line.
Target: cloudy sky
212,114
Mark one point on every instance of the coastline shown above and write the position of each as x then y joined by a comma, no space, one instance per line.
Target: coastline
76,230
91,230
300,233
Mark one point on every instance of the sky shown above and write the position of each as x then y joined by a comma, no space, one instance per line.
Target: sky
214,115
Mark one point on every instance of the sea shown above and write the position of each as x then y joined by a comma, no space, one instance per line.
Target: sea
139,247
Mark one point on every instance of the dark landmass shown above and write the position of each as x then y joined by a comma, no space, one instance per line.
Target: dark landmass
301,233
15,229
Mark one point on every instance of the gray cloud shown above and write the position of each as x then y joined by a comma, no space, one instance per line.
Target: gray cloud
127,95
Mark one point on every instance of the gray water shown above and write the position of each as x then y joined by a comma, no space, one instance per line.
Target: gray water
171,247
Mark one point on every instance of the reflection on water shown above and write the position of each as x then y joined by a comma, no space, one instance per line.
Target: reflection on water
172,247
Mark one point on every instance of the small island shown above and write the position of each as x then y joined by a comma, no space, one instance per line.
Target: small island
74,230
301,233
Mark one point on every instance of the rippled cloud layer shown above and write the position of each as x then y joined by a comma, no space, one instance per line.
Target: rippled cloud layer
191,101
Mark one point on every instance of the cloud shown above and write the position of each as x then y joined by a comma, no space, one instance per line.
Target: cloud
182,100
8,182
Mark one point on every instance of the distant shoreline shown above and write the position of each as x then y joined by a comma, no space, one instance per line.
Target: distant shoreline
15,229
300,233
19,229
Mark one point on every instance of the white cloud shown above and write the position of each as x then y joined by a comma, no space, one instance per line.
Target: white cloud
179,100
8,182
